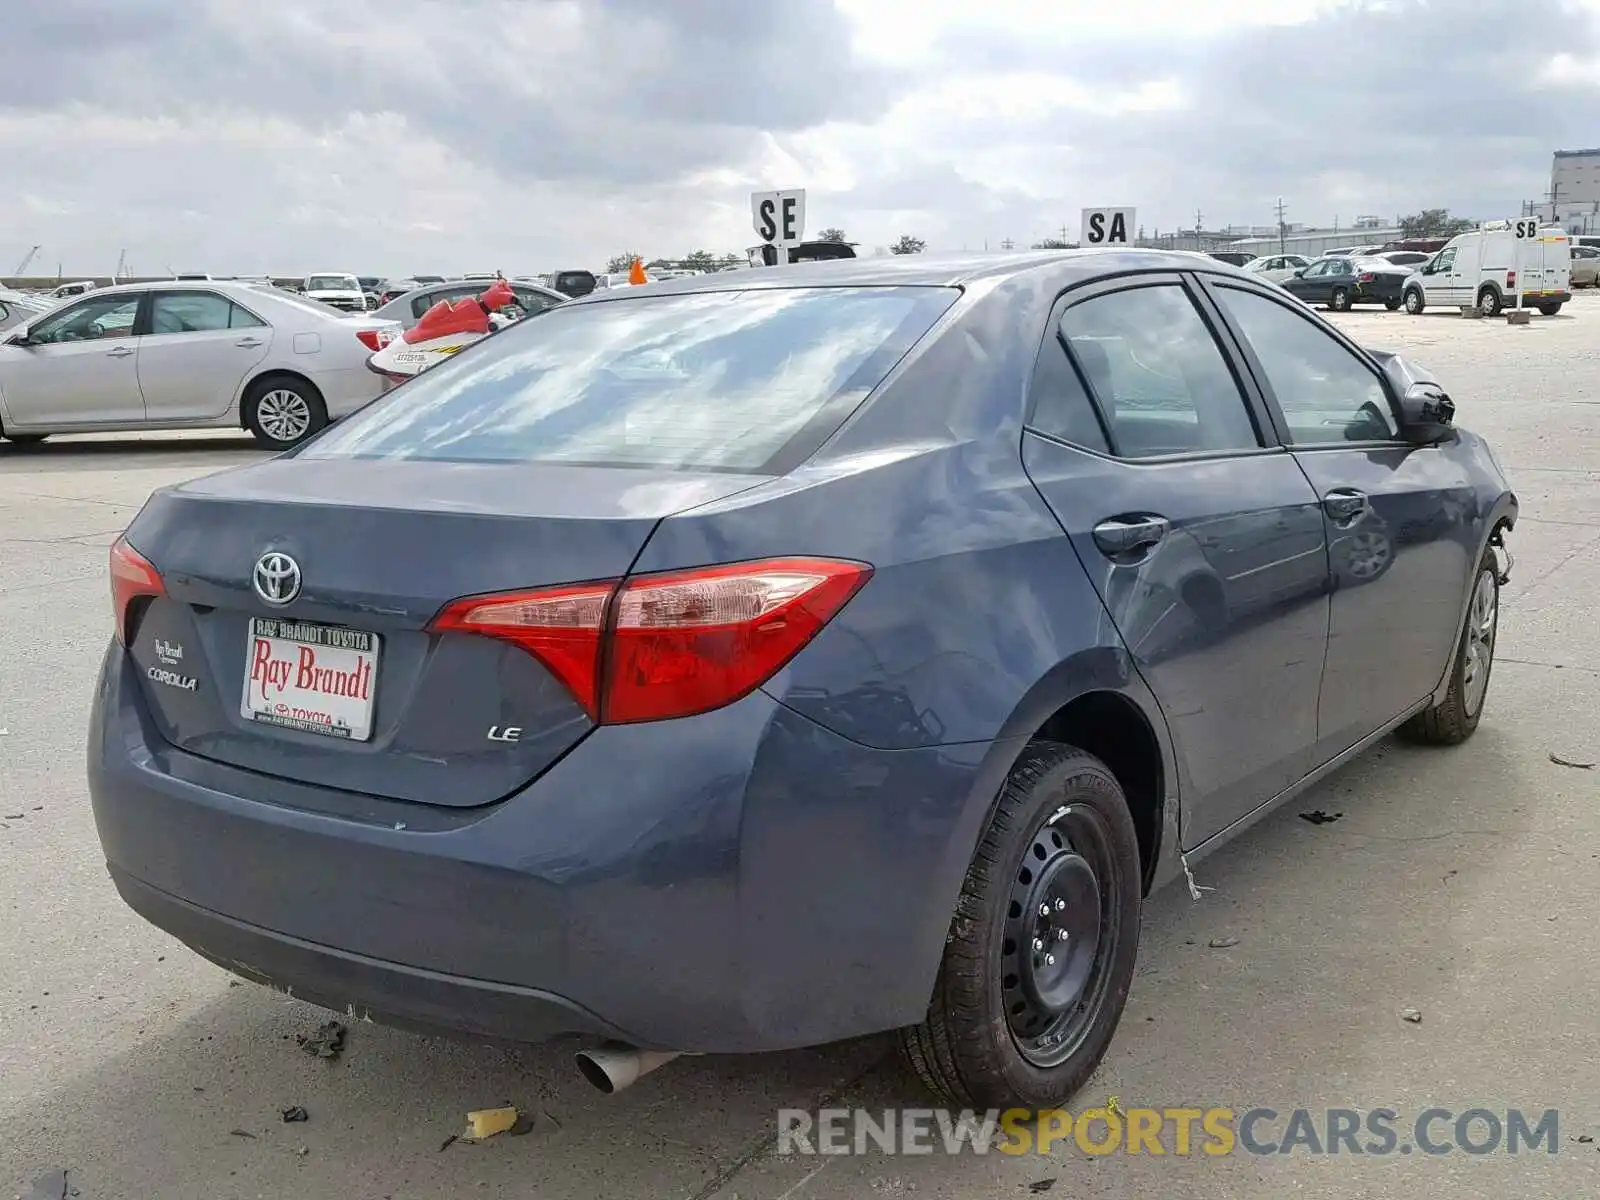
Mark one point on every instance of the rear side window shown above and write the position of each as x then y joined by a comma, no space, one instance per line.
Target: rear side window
1157,374
1061,406
707,381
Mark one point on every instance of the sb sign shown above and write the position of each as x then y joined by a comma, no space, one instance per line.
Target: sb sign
1525,229
779,217
1106,227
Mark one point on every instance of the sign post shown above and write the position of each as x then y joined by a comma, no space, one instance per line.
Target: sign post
779,219
1106,227
1524,232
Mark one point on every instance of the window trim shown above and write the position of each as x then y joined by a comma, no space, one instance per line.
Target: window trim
1263,384
1259,416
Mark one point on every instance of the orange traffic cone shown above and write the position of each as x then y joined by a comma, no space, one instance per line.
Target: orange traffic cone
637,275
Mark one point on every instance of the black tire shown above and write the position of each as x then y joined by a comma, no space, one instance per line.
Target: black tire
1061,807
281,411
1489,302
1414,301
1550,309
25,439
1453,720
1339,301
1392,305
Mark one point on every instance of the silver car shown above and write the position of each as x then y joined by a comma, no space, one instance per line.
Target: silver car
409,308
171,355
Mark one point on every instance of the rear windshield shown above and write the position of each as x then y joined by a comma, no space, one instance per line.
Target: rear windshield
709,381
332,283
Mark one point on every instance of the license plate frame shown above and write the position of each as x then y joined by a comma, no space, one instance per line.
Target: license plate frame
353,659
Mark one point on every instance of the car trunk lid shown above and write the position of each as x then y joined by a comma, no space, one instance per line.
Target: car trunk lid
341,685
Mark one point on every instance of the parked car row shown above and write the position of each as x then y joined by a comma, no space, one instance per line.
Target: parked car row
1481,268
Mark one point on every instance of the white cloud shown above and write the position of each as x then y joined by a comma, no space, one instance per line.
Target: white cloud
401,135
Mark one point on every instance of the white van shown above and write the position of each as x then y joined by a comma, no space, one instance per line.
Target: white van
1481,268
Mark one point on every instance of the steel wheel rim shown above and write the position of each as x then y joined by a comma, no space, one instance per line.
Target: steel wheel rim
1483,615
1413,302
1369,554
1062,907
284,416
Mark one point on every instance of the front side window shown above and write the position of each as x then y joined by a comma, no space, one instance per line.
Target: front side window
1157,374
90,320
1327,393
1445,261
709,381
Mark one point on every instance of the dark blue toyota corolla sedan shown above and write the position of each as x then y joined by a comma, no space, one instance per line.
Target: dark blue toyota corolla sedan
768,658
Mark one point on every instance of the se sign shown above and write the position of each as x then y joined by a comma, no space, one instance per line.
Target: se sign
779,217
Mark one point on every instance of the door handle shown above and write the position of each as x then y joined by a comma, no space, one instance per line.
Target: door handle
1345,505
248,343
1122,536
119,352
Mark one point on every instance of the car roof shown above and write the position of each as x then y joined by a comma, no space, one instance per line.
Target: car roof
925,270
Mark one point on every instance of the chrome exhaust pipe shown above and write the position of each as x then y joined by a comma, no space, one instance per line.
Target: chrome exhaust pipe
613,1068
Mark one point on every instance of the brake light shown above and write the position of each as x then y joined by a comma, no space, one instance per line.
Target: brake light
1511,279
670,645
375,339
1367,277
133,576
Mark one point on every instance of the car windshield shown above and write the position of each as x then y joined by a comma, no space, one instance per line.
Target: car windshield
332,283
706,381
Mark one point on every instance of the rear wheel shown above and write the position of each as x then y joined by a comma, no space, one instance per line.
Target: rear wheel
1041,950
1550,309
1340,300
1489,302
1413,301
281,411
1392,305
1454,718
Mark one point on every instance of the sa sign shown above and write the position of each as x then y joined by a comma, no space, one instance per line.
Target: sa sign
779,217
1106,227
1525,229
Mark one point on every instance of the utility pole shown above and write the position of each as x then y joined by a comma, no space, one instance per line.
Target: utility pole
1199,220
1282,228
1008,244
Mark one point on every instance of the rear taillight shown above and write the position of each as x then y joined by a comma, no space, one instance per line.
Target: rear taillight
1367,277
1511,280
375,339
670,645
133,577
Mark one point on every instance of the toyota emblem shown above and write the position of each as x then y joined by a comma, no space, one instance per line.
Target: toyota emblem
277,578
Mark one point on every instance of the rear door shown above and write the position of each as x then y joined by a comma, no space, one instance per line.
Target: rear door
79,368
198,348
1400,519
1203,539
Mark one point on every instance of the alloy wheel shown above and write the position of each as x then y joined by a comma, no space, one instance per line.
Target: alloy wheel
1482,621
283,415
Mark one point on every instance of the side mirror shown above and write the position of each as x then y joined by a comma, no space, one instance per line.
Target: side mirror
1299,271
1427,414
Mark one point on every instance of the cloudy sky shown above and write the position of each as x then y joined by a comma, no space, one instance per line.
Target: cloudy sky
284,136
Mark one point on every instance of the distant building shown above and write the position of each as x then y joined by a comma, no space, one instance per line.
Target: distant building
1312,242
1574,199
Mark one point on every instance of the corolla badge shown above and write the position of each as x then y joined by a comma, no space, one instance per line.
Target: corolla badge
276,577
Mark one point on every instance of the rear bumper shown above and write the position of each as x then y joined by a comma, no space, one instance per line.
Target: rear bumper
740,881
1534,299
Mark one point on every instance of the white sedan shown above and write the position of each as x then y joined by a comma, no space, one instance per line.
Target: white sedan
188,356
1275,268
